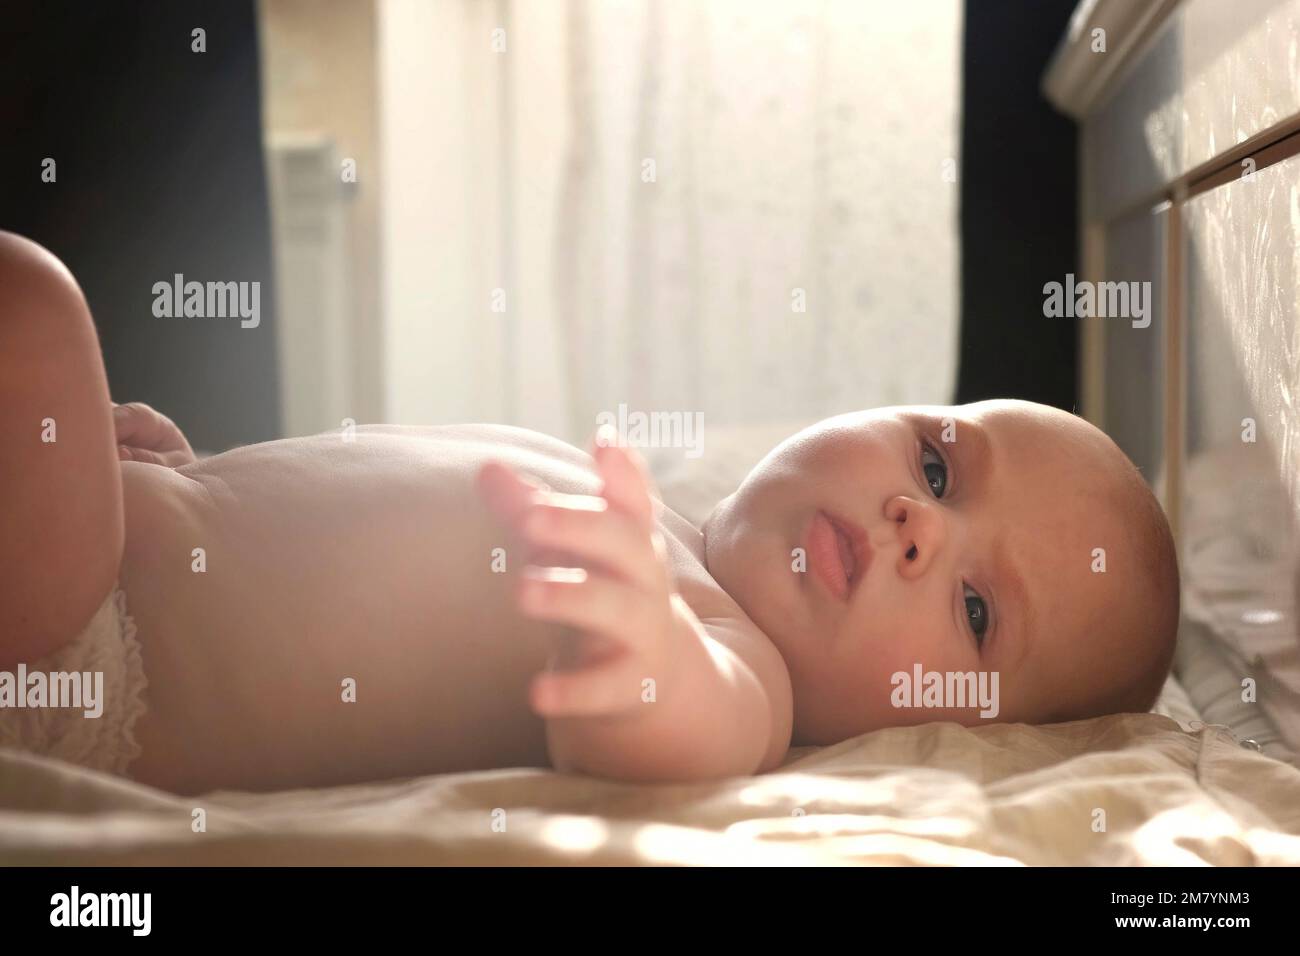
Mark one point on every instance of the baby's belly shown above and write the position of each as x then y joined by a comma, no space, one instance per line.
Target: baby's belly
348,620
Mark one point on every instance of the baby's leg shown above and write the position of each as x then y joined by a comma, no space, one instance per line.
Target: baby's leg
60,482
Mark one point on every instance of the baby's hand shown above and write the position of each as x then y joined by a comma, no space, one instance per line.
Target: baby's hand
618,594
148,436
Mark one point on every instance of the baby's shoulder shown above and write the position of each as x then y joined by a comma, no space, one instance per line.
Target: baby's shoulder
728,625
696,586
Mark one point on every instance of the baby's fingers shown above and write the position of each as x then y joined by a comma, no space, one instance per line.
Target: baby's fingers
594,604
611,686
142,455
603,536
135,423
506,492
627,483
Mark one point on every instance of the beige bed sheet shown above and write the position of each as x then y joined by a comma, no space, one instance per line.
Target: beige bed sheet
1125,789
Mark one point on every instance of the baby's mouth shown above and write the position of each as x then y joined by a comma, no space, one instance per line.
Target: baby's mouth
847,557
855,550
839,553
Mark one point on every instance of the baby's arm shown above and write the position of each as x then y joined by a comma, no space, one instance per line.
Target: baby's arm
61,530
646,691
712,718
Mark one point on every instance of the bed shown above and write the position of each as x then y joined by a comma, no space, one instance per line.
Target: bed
1129,789
1169,787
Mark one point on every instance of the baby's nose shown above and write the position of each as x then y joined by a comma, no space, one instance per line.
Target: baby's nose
920,531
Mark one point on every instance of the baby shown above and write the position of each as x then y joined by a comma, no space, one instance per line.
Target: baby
403,601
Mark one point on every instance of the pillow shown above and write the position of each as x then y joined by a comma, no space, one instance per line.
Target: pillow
1239,562
1174,703
1212,675
693,486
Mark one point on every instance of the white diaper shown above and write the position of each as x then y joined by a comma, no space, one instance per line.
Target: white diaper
107,646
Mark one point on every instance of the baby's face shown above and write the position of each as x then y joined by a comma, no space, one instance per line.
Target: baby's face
976,527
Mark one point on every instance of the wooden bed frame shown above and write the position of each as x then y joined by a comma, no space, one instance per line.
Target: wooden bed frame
1175,99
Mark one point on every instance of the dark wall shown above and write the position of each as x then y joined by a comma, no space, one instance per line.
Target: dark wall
1018,194
159,171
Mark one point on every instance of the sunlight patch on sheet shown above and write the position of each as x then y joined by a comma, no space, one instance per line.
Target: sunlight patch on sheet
1166,839
661,843
575,834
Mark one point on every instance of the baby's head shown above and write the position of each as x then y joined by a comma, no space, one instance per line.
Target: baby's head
1001,537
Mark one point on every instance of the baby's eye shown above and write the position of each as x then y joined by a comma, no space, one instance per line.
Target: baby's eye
936,472
977,614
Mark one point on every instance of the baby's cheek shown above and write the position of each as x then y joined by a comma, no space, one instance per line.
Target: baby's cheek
904,636
897,658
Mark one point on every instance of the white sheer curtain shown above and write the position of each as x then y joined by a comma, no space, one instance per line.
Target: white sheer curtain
736,208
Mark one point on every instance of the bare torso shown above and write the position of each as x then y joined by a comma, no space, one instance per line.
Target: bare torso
328,560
